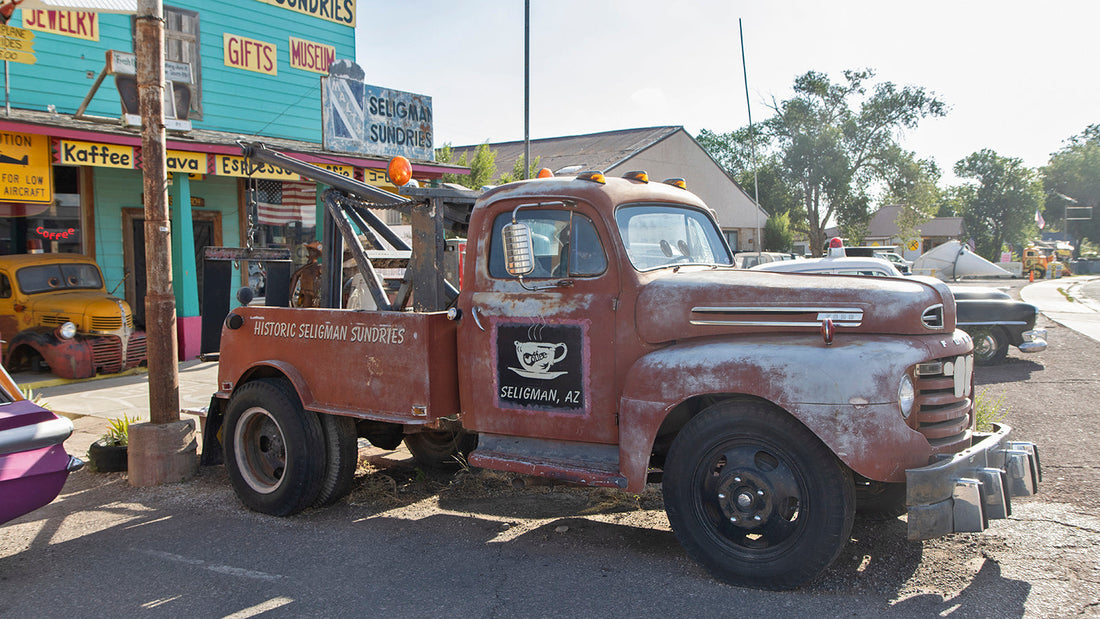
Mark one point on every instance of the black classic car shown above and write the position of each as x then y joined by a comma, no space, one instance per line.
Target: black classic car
993,318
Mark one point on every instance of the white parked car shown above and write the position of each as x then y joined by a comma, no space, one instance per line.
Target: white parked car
836,265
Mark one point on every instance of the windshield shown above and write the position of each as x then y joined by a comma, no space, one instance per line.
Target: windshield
660,235
49,277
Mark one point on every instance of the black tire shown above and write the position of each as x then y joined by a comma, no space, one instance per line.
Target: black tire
108,458
437,449
880,500
755,497
341,458
274,449
990,345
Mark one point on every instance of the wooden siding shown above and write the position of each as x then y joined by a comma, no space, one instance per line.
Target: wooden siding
287,105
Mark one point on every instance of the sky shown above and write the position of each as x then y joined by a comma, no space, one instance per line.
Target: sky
1018,77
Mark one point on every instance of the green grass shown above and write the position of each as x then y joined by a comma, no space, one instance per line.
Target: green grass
988,410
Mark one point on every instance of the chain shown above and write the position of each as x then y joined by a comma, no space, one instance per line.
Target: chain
252,206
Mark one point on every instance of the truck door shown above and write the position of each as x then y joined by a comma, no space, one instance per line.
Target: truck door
540,361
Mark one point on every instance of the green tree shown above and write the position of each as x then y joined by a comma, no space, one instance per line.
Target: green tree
1000,206
834,153
482,168
1074,173
517,171
768,180
914,184
777,233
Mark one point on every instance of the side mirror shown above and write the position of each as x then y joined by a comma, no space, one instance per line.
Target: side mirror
519,256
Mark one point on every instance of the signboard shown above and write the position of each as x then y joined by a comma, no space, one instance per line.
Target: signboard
191,163
360,118
17,45
338,11
76,24
310,56
250,54
125,63
73,152
26,175
232,165
540,367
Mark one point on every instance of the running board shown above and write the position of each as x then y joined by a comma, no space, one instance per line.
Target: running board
590,464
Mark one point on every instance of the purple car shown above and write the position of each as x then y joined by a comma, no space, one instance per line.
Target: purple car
33,461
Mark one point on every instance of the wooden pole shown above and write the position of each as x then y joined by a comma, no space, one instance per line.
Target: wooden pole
160,302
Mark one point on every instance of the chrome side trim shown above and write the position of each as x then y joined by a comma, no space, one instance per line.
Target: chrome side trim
27,438
982,324
776,310
768,323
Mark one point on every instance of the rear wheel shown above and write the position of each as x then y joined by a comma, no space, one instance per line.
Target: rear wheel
274,449
755,497
341,458
990,345
440,449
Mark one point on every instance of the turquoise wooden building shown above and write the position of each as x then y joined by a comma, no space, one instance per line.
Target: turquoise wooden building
246,68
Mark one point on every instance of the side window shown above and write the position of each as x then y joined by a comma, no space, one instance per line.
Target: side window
565,244
5,287
181,44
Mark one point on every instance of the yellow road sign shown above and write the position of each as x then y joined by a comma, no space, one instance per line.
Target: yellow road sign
914,245
25,171
11,32
18,45
11,55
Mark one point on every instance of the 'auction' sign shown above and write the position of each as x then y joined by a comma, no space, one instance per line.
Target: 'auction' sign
26,175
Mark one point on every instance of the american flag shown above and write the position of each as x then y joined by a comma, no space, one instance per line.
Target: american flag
299,203
1039,219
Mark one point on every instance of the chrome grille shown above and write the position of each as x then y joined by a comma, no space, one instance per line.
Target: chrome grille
943,408
106,354
136,350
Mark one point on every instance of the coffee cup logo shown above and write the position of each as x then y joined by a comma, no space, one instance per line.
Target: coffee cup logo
537,358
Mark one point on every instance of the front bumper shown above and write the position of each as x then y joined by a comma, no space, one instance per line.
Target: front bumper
1034,341
961,493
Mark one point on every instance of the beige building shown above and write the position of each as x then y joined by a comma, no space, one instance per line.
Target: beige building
883,230
662,152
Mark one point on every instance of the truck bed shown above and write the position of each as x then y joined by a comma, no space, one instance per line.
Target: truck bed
387,366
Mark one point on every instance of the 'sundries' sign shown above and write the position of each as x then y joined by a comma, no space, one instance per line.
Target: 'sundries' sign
339,11
360,118
25,171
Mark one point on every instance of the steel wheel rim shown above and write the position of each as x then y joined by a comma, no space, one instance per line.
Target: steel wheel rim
984,346
260,450
750,498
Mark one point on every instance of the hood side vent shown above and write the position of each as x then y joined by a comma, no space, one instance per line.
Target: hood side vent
850,317
933,317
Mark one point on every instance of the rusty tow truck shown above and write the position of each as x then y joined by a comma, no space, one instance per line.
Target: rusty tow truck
602,336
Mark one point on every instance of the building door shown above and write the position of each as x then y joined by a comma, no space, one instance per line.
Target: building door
208,232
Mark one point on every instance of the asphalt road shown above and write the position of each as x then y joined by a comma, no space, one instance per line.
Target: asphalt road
432,546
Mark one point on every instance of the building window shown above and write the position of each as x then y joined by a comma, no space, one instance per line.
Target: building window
731,239
48,228
181,44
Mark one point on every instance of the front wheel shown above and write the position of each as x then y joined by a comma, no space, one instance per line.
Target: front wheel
274,449
990,345
755,497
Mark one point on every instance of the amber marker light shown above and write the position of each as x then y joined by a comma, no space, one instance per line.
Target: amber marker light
400,171
637,175
677,182
546,173
594,176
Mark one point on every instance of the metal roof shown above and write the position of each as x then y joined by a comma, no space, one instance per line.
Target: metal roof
593,151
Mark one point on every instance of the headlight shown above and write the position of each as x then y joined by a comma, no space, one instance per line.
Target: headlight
66,331
906,396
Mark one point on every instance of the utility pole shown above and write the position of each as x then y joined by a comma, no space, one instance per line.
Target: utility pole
165,449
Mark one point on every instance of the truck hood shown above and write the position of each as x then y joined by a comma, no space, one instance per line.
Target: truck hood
685,304
90,310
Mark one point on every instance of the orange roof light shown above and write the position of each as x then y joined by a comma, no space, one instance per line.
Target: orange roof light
546,173
676,182
592,175
400,171
637,175
836,241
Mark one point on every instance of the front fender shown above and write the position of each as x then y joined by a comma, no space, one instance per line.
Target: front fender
66,358
846,394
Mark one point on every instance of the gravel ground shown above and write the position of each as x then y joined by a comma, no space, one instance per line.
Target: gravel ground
480,543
